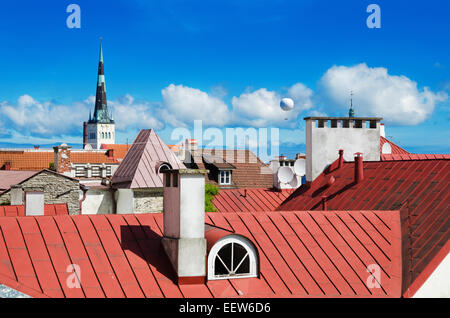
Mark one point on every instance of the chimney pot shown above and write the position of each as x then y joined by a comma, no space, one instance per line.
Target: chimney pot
359,168
341,158
324,203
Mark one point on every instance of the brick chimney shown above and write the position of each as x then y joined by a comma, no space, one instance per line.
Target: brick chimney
184,224
62,159
359,168
110,153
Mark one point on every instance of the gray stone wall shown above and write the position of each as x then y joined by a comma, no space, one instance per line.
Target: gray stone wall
148,200
56,188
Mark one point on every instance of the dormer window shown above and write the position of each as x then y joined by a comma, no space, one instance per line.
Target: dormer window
232,257
225,177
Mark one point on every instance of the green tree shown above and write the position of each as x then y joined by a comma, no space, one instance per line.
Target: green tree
210,191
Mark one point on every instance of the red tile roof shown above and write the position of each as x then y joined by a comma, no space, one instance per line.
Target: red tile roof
249,172
120,150
19,210
249,200
302,254
38,160
420,188
139,168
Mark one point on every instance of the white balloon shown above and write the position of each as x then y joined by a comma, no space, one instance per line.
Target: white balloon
287,104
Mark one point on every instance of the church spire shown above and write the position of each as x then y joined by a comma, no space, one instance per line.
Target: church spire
351,112
101,113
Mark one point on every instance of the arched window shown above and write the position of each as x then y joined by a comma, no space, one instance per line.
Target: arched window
103,135
233,256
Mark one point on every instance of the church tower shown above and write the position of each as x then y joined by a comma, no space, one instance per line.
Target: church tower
100,129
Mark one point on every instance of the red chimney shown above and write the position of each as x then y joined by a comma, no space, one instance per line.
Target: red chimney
324,203
110,153
359,171
341,158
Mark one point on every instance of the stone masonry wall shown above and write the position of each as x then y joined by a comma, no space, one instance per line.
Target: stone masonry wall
57,189
148,200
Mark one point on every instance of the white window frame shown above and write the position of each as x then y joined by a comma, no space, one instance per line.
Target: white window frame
236,239
224,177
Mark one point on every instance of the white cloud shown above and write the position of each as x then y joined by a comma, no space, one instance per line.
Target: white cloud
47,119
42,118
262,107
395,98
129,113
183,105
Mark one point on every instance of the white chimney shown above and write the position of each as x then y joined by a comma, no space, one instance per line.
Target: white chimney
34,203
184,223
326,135
382,131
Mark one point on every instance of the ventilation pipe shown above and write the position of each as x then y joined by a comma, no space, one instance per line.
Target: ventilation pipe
341,158
324,203
359,168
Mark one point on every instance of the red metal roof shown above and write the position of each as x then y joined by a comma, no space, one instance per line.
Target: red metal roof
19,210
249,200
395,149
9,178
138,168
420,188
398,157
301,254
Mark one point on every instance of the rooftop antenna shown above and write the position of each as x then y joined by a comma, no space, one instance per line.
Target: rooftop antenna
351,112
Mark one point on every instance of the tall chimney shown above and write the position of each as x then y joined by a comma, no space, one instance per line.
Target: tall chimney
62,159
184,224
382,131
359,169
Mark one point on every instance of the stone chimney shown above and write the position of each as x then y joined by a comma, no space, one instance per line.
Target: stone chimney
62,159
184,224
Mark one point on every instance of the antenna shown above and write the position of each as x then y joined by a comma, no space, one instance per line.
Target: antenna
351,112
299,167
285,174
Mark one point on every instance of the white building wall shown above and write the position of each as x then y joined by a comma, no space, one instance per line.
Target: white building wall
104,134
125,202
438,284
323,144
98,201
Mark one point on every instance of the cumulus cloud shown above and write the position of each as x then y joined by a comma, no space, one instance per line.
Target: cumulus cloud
28,116
183,105
395,98
262,107
135,114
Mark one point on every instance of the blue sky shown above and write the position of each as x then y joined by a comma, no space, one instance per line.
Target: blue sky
227,63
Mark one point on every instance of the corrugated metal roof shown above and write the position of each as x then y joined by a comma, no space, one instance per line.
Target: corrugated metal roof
19,210
249,200
138,168
302,254
421,188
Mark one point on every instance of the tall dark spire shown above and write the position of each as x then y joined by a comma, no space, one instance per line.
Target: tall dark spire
351,112
101,113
